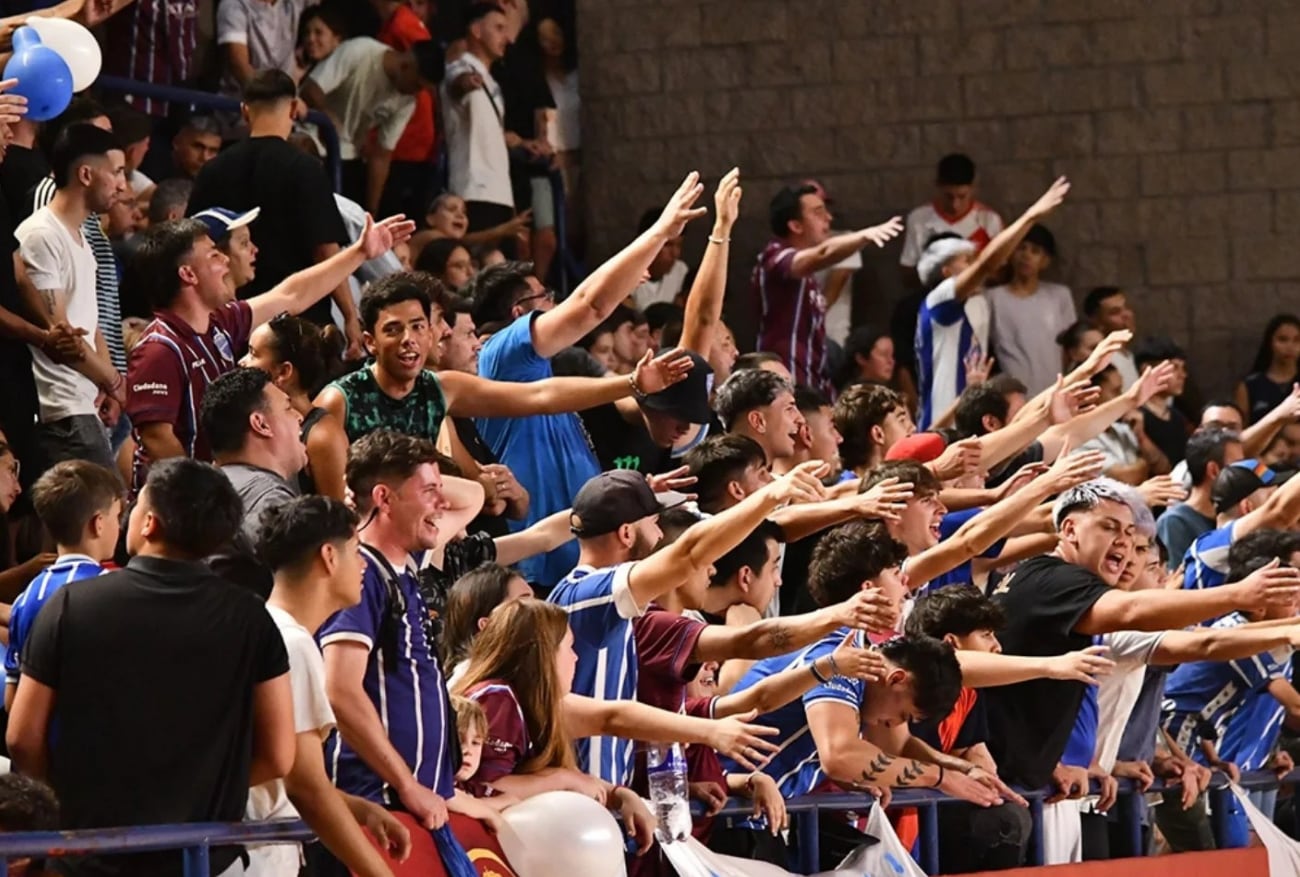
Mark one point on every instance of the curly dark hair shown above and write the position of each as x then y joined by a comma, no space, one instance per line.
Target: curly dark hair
935,672
849,555
857,410
959,610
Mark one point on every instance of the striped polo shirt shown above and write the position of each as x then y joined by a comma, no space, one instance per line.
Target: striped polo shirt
170,370
791,315
66,568
153,41
106,285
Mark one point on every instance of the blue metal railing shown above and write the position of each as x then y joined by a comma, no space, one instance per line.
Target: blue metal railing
195,840
205,100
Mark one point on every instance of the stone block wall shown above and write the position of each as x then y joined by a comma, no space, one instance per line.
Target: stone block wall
1177,120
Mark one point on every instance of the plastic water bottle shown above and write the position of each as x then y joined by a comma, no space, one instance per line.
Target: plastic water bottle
666,770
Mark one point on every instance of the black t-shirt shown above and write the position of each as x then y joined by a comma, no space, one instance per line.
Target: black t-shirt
155,667
21,403
22,169
1031,454
1170,436
298,211
972,718
623,445
1029,723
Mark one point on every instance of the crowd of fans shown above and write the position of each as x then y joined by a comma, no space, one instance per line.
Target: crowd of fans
312,513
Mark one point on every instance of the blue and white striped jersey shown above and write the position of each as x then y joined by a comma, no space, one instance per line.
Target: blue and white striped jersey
601,608
947,330
66,568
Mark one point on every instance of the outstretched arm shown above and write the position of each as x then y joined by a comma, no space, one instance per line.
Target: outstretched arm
704,304
838,248
598,295
1000,248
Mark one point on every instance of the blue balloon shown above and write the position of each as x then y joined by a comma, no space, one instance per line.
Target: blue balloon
43,76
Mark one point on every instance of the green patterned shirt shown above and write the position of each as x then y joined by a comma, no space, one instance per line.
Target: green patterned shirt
368,408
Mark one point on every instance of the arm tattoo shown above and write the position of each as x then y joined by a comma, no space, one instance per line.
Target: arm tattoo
47,296
878,765
911,773
779,636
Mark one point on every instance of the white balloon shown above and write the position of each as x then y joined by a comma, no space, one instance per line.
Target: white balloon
75,44
563,834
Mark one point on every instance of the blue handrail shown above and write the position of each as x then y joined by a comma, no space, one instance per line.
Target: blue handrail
170,93
194,840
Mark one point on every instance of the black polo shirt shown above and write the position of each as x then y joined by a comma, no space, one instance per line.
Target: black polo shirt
1029,723
154,668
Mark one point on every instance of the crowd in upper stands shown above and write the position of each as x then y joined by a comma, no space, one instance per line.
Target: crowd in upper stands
324,503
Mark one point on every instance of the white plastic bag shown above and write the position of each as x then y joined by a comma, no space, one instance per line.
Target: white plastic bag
886,858
1283,852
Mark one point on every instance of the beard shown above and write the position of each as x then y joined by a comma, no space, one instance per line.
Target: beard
642,547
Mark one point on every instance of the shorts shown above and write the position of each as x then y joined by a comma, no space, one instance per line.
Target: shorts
543,201
483,215
79,437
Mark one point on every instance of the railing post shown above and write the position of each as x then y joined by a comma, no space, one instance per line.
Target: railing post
928,816
1037,851
809,852
1130,813
196,861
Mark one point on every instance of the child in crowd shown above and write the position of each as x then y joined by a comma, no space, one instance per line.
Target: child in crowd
80,504
472,728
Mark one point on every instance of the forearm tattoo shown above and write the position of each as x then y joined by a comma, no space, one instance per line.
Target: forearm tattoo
878,765
911,773
47,296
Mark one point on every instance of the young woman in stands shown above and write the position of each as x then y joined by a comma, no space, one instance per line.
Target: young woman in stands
301,358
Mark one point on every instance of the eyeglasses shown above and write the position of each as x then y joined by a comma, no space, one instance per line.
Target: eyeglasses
548,294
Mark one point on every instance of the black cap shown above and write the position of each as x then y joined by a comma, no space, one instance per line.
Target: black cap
688,399
613,499
1241,479
1041,235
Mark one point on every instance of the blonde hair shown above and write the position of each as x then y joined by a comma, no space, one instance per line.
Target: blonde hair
469,716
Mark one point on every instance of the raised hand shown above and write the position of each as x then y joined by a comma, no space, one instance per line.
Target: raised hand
978,366
726,201
1154,380
742,742
852,662
1162,490
958,459
886,499
1068,400
883,233
869,609
12,106
681,208
678,479
801,484
1084,666
1271,585
1023,476
378,238
1101,354
1073,469
1051,199
655,373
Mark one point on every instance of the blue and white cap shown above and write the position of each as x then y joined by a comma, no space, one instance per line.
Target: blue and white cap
221,222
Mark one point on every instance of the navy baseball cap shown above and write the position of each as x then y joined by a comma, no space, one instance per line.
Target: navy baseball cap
221,222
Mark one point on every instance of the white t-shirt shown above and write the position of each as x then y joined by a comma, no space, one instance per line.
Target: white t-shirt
311,713
839,316
477,158
1131,651
666,288
978,225
58,258
1024,332
138,182
360,96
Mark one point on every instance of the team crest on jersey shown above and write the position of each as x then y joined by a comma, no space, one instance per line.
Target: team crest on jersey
222,340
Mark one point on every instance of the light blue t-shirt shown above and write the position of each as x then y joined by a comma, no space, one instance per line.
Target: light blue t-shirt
549,453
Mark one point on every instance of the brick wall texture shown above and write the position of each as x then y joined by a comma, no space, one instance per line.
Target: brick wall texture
1177,120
